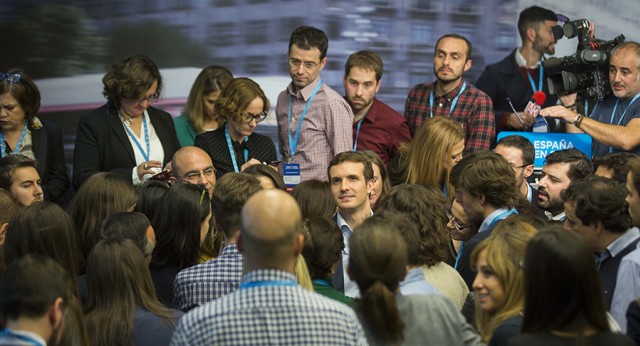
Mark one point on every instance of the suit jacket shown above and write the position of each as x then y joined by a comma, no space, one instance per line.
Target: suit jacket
102,145
503,80
49,153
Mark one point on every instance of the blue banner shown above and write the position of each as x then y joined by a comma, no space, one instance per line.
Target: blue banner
546,143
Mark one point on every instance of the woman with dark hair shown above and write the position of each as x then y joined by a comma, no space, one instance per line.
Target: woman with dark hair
181,225
21,132
122,308
563,295
102,195
315,199
126,136
381,182
149,196
199,114
268,177
235,146
425,207
323,245
377,262
44,228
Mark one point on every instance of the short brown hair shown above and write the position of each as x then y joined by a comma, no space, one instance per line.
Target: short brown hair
130,78
352,156
236,97
24,90
367,60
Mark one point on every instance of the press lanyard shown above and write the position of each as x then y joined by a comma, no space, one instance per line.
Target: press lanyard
252,284
613,113
146,138
455,266
453,104
293,143
501,216
533,85
232,152
21,337
17,148
355,142
320,282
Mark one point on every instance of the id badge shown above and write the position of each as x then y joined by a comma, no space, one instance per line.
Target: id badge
540,124
291,174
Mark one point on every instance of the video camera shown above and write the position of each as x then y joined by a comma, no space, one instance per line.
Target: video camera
588,69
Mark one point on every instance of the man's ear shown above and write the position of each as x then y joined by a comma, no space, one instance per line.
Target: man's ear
482,198
467,65
528,171
56,313
299,244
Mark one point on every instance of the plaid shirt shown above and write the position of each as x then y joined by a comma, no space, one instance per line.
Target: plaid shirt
270,315
325,131
474,111
205,282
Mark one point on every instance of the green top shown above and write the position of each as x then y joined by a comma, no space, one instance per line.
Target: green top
186,133
323,287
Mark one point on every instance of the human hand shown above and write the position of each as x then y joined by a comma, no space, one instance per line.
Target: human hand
148,167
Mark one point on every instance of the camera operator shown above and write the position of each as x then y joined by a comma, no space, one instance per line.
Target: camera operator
512,82
613,124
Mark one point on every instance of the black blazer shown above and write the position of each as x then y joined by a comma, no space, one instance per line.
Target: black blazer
49,153
102,145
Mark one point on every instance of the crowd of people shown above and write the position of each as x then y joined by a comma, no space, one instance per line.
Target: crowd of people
373,228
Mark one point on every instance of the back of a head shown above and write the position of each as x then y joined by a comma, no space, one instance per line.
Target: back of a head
308,38
599,199
617,163
315,199
22,292
579,164
100,195
269,173
178,225
229,195
561,284
8,206
488,173
127,225
270,224
377,263
149,196
323,245
425,208
43,228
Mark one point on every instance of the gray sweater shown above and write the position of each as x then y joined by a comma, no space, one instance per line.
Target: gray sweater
429,320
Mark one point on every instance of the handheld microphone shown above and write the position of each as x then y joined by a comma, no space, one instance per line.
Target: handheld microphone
516,113
536,102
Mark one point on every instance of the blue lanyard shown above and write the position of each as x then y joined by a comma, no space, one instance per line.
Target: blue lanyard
540,79
252,284
232,152
455,266
17,148
146,138
453,104
613,113
502,216
355,142
321,282
293,143
21,337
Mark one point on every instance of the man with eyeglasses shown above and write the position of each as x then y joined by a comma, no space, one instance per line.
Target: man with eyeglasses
314,121
194,166
520,154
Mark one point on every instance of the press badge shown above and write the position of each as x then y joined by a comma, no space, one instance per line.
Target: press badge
291,174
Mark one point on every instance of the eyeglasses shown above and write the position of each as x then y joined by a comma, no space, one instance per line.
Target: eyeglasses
307,64
193,176
514,167
151,99
453,220
260,117
11,77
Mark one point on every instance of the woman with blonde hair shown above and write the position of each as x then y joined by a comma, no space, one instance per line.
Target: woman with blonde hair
199,113
429,158
499,284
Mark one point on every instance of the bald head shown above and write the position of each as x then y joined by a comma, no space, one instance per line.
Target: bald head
270,234
193,165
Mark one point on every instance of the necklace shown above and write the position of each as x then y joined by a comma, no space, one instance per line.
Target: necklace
126,120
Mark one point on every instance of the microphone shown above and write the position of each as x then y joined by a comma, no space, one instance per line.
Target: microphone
516,113
533,107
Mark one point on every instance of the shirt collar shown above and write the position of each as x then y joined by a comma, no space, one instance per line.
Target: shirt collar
451,94
305,92
623,241
560,217
268,275
413,275
521,62
489,219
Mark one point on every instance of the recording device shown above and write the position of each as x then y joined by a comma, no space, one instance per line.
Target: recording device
586,70
516,113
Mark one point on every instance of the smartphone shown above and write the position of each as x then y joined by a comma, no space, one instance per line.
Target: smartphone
274,163
162,176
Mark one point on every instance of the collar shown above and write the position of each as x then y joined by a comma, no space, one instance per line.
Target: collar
305,92
560,217
267,275
489,219
370,117
521,62
230,249
344,227
451,94
623,241
529,192
414,275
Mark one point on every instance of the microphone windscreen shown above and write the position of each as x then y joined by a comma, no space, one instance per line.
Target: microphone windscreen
540,97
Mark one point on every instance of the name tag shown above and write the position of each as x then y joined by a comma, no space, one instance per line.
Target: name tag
291,174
